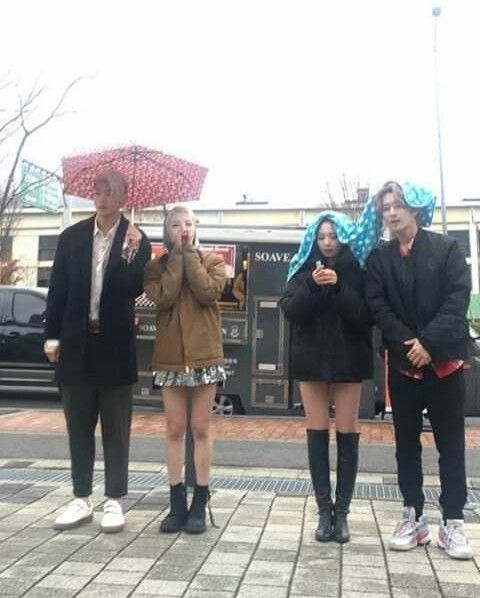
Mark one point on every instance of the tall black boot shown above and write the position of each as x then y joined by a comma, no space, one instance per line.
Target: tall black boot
347,466
317,442
175,520
196,523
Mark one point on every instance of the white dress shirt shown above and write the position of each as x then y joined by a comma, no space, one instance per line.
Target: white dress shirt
102,245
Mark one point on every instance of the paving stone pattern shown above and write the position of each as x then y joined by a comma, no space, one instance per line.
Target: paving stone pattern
263,547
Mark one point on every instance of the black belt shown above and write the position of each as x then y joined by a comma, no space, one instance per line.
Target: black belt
93,326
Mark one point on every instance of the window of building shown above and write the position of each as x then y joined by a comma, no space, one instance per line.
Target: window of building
47,245
28,309
43,277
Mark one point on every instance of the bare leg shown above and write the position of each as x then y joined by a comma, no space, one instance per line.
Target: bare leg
202,404
175,402
347,402
315,397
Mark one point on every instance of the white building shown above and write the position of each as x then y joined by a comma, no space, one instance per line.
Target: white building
36,233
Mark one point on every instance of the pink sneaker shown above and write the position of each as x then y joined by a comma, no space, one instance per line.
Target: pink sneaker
409,533
452,539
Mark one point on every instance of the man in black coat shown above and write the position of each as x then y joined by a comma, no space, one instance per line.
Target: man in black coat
97,273
418,289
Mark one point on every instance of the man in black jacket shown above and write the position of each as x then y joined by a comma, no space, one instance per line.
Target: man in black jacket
418,289
97,273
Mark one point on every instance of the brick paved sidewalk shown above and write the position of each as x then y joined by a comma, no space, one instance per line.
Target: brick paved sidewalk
281,429
264,547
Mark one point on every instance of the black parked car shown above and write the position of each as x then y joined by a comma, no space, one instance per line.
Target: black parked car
23,366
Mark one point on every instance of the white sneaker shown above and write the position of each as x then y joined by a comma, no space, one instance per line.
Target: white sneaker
113,519
79,511
409,533
452,539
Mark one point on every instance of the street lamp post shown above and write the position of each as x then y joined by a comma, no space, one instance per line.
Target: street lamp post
436,11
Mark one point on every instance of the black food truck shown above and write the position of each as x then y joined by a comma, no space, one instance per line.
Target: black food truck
255,333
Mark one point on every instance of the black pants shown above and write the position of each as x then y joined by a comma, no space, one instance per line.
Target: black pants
82,406
444,399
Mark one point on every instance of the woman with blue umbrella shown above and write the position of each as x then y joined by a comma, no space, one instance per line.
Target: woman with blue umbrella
331,353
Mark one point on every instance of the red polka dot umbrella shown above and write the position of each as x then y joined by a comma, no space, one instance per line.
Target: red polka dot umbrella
154,178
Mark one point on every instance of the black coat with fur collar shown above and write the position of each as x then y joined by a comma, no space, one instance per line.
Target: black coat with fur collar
330,324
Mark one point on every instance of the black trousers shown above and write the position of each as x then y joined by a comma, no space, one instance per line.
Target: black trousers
444,399
82,406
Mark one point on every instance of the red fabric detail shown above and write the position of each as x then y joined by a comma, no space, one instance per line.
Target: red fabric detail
406,250
445,368
442,369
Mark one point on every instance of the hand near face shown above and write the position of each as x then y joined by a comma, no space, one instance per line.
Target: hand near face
187,237
417,354
176,238
181,228
324,276
181,238
131,243
133,237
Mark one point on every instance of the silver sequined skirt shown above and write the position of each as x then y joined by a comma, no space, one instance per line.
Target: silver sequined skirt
194,377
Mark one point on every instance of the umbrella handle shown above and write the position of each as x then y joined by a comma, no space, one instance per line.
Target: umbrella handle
132,215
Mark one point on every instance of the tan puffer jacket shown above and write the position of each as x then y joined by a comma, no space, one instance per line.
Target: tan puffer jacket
185,286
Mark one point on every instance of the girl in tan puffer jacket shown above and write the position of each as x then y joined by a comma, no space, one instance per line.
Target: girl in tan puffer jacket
185,286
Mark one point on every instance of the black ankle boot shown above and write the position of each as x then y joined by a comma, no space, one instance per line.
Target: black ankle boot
175,520
196,520
323,533
341,532
347,466
318,459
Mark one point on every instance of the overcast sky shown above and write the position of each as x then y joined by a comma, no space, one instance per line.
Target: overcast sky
276,97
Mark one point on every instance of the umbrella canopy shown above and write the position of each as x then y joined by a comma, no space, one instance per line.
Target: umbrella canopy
154,178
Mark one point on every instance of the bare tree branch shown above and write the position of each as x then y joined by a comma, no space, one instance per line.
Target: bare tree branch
32,97
56,108
6,125
21,189
17,126
11,175
5,82
349,199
